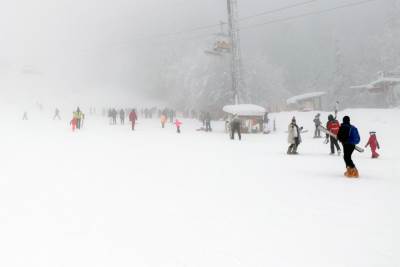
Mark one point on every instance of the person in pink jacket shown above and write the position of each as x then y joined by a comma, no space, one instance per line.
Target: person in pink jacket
178,125
373,143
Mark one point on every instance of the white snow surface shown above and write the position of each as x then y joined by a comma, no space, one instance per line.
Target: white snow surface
107,196
245,110
297,98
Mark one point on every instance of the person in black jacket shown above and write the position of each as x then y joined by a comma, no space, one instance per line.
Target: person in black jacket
348,148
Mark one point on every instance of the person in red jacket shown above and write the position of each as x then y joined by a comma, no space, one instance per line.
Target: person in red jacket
373,143
133,118
333,126
178,125
74,123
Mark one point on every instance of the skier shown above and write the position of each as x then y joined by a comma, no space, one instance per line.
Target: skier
74,121
178,124
25,116
317,122
333,126
57,114
114,116
78,116
349,137
122,116
373,143
294,137
163,120
133,118
235,126
207,119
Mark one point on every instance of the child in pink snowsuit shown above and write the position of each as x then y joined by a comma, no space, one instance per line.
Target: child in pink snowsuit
178,126
373,143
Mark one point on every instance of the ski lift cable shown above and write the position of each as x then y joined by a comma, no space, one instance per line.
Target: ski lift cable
308,14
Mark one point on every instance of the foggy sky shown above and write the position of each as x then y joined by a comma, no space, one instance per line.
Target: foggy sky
102,49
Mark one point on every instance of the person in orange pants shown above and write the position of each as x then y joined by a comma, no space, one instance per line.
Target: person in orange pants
373,143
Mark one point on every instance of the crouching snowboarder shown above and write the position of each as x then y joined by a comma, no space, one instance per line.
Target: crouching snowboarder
294,137
373,144
349,137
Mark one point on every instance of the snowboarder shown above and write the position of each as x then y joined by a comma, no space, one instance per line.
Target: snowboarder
317,123
122,116
133,118
333,126
207,119
57,114
178,126
373,144
294,137
235,126
349,137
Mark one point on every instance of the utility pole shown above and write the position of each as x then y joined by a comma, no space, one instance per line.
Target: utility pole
233,17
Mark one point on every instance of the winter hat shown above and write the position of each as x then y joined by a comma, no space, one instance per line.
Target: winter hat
330,117
346,119
372,132
294,119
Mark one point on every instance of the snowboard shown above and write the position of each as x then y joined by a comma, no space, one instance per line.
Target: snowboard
324,130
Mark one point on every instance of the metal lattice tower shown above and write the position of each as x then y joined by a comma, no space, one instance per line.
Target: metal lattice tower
233,17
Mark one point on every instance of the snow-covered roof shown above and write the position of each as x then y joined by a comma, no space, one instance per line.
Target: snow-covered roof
297,98
245,110
376,84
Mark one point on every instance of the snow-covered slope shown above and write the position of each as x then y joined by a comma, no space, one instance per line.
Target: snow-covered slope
107,196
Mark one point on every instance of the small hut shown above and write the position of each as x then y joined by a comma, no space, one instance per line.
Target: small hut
252,116
385,86
306,102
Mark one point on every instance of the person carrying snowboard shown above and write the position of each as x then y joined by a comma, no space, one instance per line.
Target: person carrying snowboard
349,137
235,126
294,137
333,126
373,144
133,118
317,123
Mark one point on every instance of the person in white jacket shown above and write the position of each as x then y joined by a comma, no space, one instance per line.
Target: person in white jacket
294,137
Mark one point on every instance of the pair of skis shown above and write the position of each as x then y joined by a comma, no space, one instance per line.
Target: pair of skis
324,130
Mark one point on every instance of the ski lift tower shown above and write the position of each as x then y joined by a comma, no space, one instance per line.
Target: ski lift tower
233,18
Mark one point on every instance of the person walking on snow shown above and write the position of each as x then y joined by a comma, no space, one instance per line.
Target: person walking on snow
163,120
349,137
207,119
294,137
57,114
333,126
122,116
373,144
74,121
133,118
317,122
178,124
235,126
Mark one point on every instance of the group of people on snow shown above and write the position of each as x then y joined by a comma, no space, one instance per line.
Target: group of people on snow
78,118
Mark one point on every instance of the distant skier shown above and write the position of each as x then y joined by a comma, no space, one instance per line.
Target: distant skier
235,126
178,124
78,116
25,116
317,123
114,113
57,114
349,137
333,126
294,137
163,120
207,120
122,116
74,121
373,144
133,118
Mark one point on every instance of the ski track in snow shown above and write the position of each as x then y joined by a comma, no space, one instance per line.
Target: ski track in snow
107,196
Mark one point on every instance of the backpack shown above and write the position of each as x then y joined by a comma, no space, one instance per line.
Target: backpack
354,136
